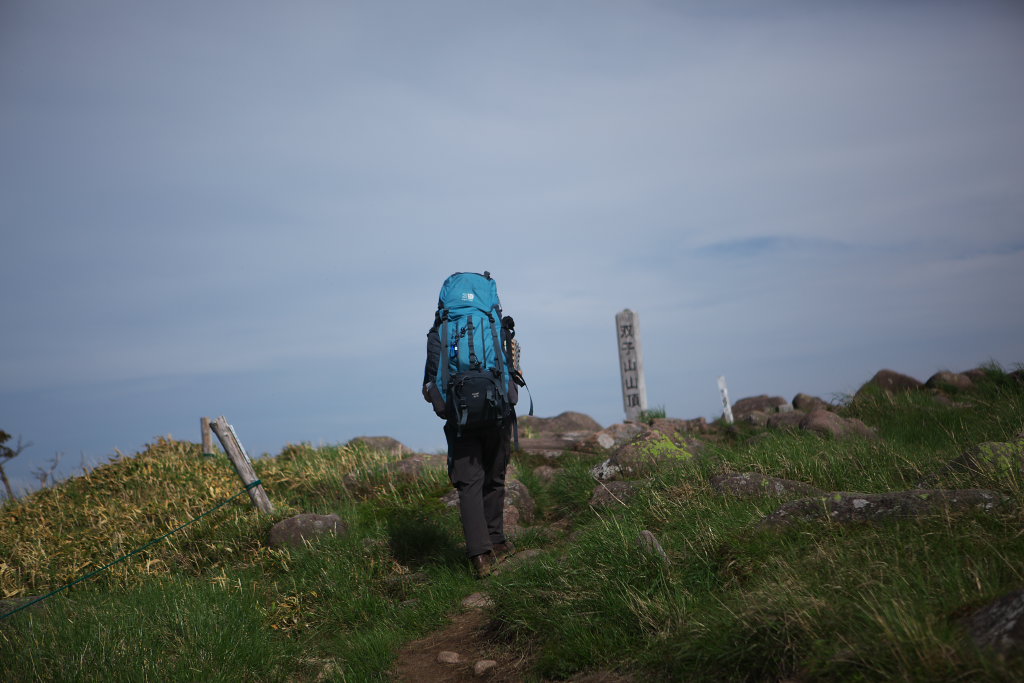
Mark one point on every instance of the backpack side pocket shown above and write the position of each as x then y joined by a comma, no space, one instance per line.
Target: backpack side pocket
437,401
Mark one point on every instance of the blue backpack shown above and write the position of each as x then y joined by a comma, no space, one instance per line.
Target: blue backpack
476,372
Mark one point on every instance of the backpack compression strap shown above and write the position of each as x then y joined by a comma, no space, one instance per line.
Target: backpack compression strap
474,362
443,359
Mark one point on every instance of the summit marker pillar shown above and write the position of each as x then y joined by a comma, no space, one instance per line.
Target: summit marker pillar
631,364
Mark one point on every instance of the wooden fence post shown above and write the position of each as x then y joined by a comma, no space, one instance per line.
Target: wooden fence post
204,429
243,465
631,364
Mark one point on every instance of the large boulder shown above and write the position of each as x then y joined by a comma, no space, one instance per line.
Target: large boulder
807,403
975,374
890,382
552,436
847,507
828,423
565,423
645,453
999,626
761,404
671,426
790,420
755,485
945,379
383,444
295,531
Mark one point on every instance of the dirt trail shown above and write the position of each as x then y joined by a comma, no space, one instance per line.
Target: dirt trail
471,635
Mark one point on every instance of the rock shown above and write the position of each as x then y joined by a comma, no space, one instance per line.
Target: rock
999,626
756,418
945,379
613,493
510,518
648,542
295,530
449,657
975,374
484,667
560,424
763,403
846,507
828,423
640,456
612,437
478,601
605,471
545,473
414,465
549,446
890,382
384,444
552,436
517,494
787,420
670,426
807,403
755,485
991,457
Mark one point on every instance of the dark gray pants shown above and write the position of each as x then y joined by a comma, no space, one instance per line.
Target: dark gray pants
476,467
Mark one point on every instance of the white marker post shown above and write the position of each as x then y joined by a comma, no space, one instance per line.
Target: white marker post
725,400
631,364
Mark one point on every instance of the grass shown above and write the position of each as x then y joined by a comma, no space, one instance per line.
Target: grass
649,416
735,601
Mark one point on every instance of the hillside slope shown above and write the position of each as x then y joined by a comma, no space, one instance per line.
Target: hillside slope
680,574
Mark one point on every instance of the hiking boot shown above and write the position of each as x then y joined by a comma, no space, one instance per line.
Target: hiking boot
502,551
483,564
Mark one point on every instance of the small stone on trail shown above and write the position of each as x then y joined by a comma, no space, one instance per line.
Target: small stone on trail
483,667
478,601
449,657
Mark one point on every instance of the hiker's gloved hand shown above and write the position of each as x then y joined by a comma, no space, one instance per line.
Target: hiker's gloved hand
508,322
426,392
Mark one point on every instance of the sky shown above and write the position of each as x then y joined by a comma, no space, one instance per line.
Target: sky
248,208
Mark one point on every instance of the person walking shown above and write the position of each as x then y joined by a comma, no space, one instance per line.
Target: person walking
471,378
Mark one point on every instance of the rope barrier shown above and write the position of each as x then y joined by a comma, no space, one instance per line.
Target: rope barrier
138,550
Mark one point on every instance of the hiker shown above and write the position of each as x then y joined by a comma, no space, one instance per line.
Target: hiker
471,379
